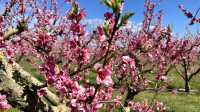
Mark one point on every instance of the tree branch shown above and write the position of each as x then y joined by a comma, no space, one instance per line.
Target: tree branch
194,73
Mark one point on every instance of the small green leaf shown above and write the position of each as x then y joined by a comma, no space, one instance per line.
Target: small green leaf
115,5
125,18
107,3
128,15
75,8
106,28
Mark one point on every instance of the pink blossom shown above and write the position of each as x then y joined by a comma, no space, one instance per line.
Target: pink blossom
104,76
97,66
129,61
102,38
41,92
101,35
4,103
108,15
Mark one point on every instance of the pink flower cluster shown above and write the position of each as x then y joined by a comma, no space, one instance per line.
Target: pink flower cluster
144,107
104,76
4,103
189,15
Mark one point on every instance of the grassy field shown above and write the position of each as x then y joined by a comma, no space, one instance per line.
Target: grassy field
181,102
174,80
31,70
174,103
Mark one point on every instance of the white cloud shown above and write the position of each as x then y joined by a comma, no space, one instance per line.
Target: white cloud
91,24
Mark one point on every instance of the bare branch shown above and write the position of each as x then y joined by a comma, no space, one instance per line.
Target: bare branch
194,73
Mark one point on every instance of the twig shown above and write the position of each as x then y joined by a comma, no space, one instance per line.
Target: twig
114,102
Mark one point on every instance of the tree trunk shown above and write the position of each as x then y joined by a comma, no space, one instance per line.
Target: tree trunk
129,96
13,79
186,77
187,88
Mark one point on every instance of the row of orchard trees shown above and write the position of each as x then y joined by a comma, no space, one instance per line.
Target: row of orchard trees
87,69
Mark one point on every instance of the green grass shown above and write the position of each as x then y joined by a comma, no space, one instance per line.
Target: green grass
10,110
174,103
14,110
176,81
31,70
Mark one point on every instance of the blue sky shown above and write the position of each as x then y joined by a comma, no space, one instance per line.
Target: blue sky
172,15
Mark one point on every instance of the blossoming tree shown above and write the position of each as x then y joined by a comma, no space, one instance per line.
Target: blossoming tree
86,70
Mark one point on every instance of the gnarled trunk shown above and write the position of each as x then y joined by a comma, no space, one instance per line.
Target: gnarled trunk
14,79
131,93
